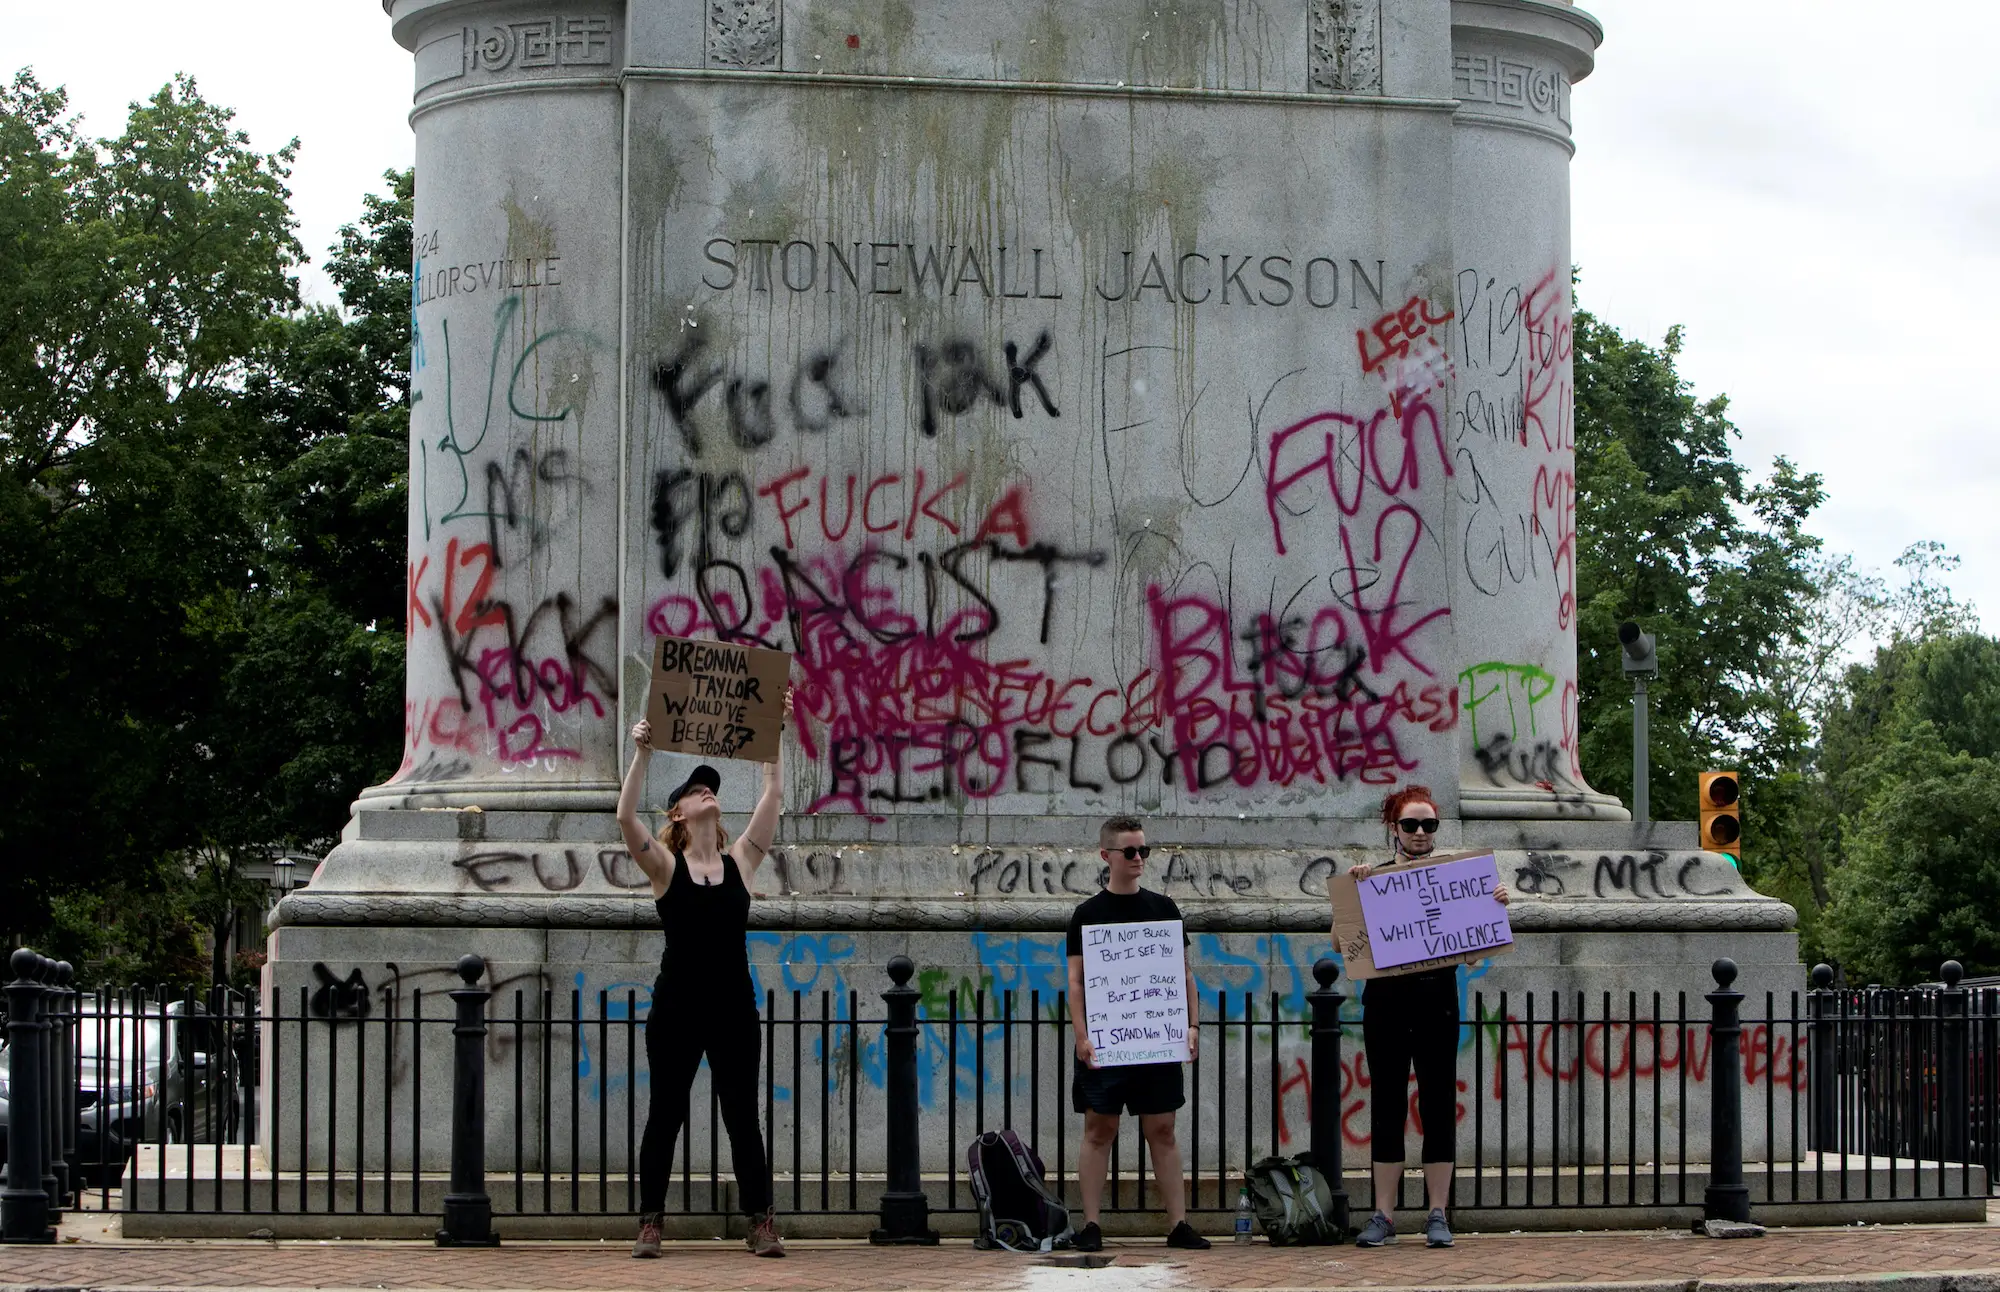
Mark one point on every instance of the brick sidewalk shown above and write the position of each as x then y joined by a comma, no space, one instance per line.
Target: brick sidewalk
1824,1257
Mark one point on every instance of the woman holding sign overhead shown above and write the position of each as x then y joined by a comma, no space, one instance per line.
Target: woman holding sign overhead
703,1003
1411,1021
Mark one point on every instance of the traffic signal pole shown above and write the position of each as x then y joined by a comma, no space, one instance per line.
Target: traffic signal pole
1642,795
1641,661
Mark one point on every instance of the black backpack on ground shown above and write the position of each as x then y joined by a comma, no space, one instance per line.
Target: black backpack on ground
1017,1213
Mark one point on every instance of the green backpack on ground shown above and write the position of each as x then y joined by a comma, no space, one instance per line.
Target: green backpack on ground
1293,1202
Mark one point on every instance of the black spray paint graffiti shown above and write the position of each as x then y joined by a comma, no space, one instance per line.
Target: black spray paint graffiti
499,869
338,997
1647,877
510,490
816,874
953,378
1507,761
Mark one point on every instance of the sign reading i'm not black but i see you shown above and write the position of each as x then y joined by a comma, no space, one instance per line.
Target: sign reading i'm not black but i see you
716,699
1135,993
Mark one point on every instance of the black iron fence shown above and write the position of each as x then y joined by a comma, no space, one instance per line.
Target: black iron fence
325,1105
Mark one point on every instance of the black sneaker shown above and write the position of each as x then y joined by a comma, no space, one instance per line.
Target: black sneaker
1088,1239
1186,1239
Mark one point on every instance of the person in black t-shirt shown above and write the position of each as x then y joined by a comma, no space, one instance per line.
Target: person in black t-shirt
1410,1022
1153,1091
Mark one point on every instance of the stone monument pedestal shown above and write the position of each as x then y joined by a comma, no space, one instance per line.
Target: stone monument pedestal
1112,408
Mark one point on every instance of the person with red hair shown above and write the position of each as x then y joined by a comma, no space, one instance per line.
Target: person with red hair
1411,1021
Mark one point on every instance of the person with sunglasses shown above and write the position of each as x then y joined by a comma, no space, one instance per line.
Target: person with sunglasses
1153,1092
1411,1021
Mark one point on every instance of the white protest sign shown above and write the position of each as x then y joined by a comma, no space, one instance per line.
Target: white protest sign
1135,997
1423,913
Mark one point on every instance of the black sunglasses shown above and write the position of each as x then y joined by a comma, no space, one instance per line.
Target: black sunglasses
1412,824
1139,853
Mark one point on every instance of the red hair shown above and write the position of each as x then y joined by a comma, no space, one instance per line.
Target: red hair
1392,807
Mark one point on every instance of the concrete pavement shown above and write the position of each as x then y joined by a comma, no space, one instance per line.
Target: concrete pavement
1908,1258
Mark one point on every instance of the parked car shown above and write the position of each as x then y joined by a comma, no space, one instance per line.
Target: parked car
163,1076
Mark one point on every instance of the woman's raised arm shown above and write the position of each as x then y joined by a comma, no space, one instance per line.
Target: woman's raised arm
639,841
754,844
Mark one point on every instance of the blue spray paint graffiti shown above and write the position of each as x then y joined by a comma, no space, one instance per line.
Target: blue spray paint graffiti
1032,967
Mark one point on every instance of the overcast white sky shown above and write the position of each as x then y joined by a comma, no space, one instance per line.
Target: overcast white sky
1811,187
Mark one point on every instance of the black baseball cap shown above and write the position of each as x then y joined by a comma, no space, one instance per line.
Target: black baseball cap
704,777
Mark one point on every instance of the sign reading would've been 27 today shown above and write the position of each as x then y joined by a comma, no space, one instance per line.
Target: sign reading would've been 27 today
717,699
1135,992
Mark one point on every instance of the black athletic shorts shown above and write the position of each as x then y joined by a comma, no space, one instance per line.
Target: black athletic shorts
1141,1088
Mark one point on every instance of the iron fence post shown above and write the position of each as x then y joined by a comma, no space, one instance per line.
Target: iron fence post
1326,1146
24,1202
51,1089
1952,1065
468,1212
1822,1062
1727,1196
58,1093
905,1209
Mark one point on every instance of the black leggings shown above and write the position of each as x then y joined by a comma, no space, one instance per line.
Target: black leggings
1412,1022
675,1043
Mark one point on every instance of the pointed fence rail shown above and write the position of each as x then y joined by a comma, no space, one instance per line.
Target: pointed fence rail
339,1102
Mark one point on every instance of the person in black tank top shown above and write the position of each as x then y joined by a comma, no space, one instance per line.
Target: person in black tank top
1410,1021
703,1002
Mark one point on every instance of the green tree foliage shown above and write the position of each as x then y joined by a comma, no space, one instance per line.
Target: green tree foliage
1672,533
139,279
201,517
1921,883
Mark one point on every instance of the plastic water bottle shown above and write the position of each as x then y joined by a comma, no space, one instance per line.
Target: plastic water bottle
1243,1214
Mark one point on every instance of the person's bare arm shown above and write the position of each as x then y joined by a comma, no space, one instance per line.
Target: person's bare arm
646,854
754,844
1079,1015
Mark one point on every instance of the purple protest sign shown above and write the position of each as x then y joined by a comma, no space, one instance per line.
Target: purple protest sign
1425,912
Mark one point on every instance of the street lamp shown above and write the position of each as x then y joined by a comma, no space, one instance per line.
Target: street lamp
1641,663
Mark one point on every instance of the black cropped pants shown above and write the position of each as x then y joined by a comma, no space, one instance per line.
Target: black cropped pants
1412,1022
676,1041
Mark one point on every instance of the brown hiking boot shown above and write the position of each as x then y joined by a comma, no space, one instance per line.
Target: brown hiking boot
763,1239
647,1248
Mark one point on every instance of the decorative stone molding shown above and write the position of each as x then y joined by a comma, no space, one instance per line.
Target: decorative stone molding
1345,47
636,912
1508,84
745,34
541,46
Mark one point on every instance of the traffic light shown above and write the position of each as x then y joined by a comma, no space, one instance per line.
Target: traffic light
1722,814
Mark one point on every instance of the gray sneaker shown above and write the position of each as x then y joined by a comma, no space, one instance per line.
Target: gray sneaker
647,1248
1436,1232
1380,1231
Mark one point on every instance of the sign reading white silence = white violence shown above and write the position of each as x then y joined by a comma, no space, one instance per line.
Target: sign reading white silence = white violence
1427,912
1135,992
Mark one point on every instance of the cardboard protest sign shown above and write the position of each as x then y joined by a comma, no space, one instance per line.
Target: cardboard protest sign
1419,914
716,699
1134,992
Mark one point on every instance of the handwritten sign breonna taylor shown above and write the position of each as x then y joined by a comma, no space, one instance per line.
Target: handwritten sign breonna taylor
717,700
1419,915
1134,993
